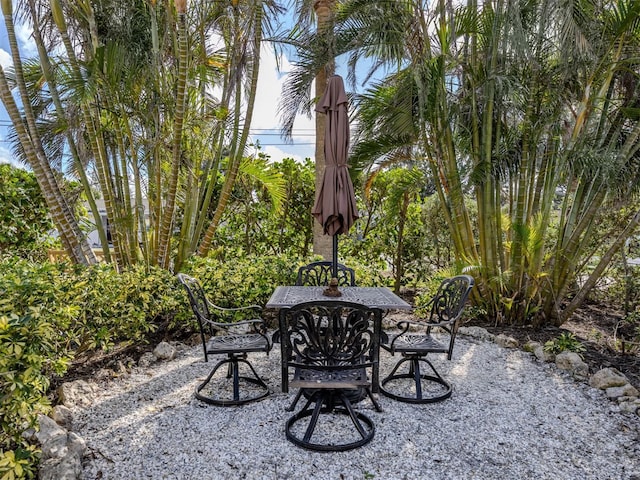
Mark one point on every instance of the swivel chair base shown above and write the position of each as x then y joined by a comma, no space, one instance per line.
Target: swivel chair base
233,363
415,375
324,403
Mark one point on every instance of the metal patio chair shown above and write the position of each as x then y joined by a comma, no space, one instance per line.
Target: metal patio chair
320,273
445,313
236,346
332,347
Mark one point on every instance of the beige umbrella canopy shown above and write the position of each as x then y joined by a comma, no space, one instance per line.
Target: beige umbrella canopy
335,206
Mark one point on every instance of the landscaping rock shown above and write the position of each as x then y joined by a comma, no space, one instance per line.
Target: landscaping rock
477,332
607,378
623,391
543,355
62,451
147,359
571,362
77,393
164,351
506,342
632,406
62,415
531,346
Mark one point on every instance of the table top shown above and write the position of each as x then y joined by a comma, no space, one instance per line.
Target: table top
378,297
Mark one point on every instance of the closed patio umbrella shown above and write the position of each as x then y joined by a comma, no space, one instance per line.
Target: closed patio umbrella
335,203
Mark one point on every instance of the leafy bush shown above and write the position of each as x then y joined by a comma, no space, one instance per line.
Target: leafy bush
50,312
243,280
31,351
24,216
565,342
124,306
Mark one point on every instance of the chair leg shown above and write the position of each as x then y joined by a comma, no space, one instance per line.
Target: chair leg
321,400
314,417
417,377
233,372
415,366
295,401
374,401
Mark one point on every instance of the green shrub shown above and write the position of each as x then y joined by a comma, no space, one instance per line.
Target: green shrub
565,342
31,352
50,312
24,216
115,307
246,280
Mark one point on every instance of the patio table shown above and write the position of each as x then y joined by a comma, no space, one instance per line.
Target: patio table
373,297
378,297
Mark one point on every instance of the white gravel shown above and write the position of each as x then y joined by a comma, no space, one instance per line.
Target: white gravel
509,417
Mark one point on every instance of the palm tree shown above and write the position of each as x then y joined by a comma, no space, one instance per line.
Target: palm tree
502,100
26,130
140,125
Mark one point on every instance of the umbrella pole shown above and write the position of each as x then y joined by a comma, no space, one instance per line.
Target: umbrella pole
335,257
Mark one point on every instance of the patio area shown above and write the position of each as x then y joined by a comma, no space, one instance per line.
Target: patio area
509,417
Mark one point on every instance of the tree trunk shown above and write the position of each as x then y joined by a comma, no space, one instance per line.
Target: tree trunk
322,244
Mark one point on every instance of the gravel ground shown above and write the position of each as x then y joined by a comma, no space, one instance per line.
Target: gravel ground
509,418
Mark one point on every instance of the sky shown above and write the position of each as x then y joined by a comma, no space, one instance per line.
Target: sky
265,127
265,118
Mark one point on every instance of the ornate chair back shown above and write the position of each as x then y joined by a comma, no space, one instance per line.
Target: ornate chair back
447,306
320,274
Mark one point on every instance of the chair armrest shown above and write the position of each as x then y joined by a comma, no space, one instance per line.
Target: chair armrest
404,326
233,309
259,324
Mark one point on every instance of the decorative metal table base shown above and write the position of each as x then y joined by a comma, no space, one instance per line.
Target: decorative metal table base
324,402
415,375
233,362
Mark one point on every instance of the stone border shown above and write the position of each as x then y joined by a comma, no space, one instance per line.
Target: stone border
614,383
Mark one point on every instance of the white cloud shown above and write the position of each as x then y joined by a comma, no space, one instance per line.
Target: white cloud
265,117
24,32
5,58
7,157
276,154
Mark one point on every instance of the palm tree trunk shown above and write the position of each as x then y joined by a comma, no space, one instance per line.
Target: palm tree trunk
164,240
72,238
53,90
324,9
238,146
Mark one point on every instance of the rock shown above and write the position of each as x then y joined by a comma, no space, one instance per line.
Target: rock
76,444
103,374
630,406
543,355
624,398
62,415
506,342
77,393
623,391
121,368
164,351
607,378
571,362
531,346
68,468
146,360
30,435
52,437
477,332
62,451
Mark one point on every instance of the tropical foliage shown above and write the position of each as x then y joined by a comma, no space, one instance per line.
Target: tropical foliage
24,218
530,107
145,102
